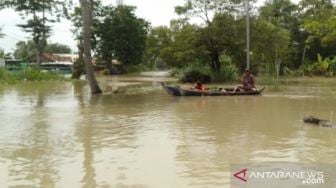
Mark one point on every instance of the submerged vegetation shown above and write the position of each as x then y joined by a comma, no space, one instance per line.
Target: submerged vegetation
29,74
200,72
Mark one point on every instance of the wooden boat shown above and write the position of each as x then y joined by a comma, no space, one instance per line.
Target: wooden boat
178,91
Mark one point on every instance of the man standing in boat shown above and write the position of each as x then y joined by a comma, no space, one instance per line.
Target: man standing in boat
247,82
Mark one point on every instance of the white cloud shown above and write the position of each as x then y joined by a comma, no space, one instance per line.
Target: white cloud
158,12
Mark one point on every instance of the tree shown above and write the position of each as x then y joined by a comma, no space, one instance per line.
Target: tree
34,12
86,7
185,48
279,12
158,39
279,26
121,35
271,47
24,50
319,23
57,48
77,21
206,10
228,33
175,47
2,54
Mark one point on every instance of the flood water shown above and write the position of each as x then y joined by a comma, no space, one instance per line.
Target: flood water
56,135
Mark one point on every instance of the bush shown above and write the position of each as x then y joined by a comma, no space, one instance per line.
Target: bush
227,73
332,65
194,72
6,77
27,75
323,67
36,75
195,75
203,73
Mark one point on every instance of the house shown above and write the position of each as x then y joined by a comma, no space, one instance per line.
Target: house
56,62
47,57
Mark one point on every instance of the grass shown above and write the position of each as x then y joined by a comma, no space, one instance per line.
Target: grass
29,74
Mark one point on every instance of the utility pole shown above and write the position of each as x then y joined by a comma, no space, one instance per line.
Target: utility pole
247,34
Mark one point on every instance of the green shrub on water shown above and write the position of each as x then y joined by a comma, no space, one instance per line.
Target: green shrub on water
202,72
195,73
227,73
6,76
37,75
28,74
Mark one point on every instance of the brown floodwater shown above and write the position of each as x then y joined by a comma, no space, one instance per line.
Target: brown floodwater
57,135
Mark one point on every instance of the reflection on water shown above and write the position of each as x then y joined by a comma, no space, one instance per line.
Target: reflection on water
56,135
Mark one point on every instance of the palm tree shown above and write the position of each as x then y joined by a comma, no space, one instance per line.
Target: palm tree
86,6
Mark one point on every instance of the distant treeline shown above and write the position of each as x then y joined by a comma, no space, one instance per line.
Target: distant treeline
286,38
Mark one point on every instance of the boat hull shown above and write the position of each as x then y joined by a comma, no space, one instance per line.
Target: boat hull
178,91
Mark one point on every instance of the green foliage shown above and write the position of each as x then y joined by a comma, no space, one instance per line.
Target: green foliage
226,74
4,55
284,36
203,9
215,38
322,67
223,36
25,50
7,77
201,72
319,24
34,12
120,35
332,66
175,46
228,71
272,47
195,72
36,75
57,48
78,68
158,40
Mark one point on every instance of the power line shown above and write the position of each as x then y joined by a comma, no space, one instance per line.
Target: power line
14,37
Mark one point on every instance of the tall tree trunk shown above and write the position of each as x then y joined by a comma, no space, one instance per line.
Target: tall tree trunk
213,51
87,23
78,66
215,63
36,39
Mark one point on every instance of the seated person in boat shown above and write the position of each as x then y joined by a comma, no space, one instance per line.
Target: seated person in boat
247,82
199,86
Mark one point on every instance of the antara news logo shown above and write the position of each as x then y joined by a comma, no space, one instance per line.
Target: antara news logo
276,175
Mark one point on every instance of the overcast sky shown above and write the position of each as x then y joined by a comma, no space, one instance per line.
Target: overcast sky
157,12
